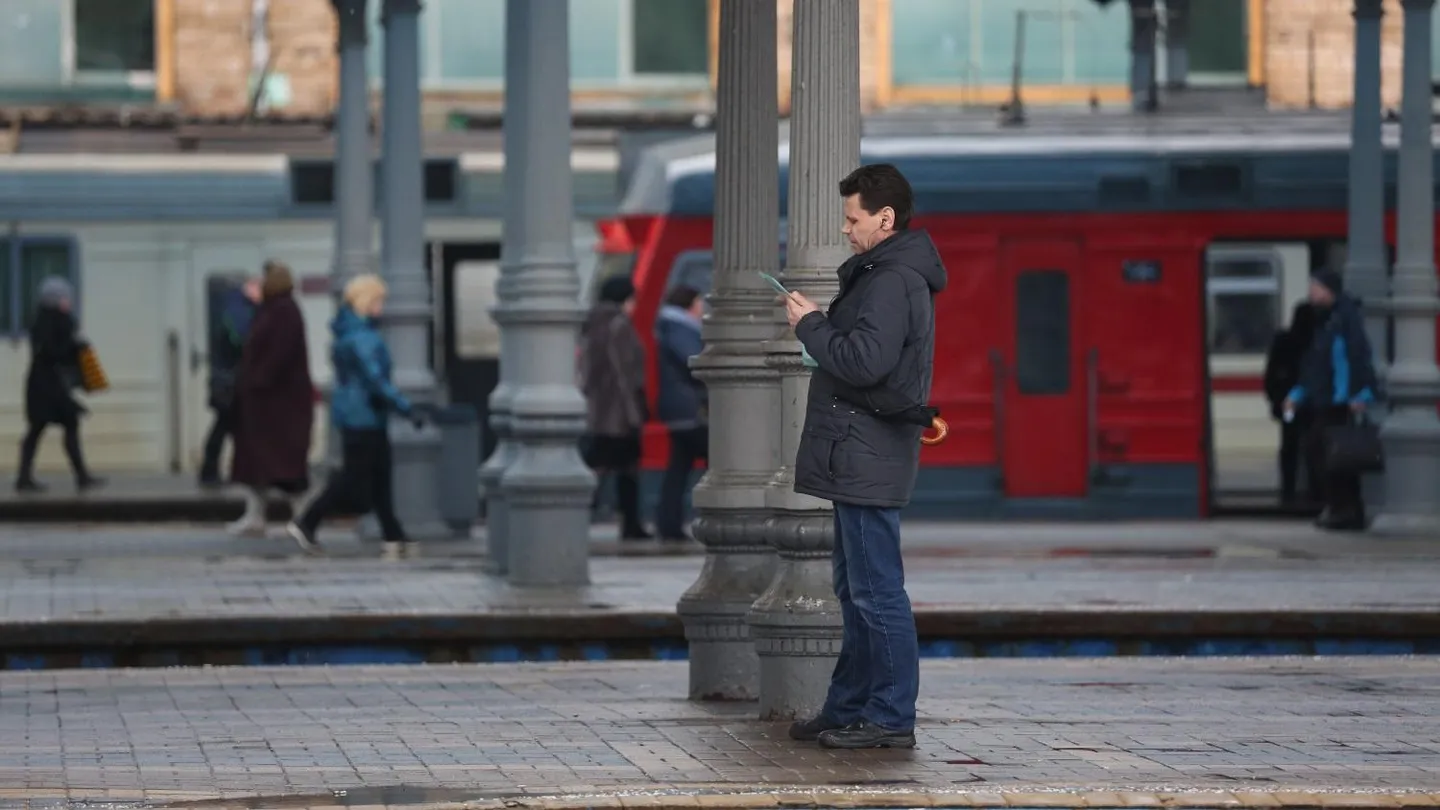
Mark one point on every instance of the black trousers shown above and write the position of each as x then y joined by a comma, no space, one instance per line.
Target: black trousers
30,445
1293,455
1342,492
222,428
362,484
686,447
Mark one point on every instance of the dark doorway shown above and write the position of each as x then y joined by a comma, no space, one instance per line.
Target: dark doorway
471,362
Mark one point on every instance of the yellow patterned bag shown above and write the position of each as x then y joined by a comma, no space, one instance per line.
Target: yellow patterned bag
92,374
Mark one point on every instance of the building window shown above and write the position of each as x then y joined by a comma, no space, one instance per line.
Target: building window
670,37
25,262
115,36
1243,302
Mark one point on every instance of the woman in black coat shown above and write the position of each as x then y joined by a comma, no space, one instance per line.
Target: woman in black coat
54,372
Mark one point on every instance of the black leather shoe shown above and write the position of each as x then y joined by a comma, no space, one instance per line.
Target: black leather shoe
810,730
866,735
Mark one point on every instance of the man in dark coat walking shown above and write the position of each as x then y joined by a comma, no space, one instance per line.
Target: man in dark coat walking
227,341
55,347
275,401
879,334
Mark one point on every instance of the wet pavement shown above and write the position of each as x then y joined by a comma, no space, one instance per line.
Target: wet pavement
88,586
410,735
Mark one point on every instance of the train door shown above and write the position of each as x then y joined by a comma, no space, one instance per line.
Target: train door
216,269
1044,454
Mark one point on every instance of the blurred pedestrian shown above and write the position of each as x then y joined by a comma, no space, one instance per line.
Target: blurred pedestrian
275,403
227,341
612,377
360,406
1337,380
682,404
1282,373
878,334
55,346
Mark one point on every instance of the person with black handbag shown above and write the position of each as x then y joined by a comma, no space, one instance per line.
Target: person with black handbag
1338,376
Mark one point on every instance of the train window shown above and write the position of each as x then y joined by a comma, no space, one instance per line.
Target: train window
1042,332
694,269
1243,302
24,264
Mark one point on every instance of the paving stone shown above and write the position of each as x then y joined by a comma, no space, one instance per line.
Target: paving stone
464,732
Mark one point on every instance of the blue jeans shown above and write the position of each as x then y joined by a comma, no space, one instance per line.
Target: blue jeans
877,677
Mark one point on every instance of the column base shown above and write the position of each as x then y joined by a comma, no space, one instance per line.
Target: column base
1412,467
723,663
497,512
797,629
548,519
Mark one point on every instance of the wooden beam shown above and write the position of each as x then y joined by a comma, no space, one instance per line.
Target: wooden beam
165,51
884,61
1255,42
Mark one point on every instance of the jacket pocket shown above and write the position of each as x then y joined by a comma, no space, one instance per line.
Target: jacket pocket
818,445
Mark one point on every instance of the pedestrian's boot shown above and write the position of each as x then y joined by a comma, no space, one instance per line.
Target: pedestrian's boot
810,730
28,484
252,522
87,481
304,535
867,735
25,481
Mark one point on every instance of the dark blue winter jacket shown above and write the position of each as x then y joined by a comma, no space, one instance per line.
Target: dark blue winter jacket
1338,368
681,401
363,394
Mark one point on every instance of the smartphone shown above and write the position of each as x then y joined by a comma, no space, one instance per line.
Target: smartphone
774,282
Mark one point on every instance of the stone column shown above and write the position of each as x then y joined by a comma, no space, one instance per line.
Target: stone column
1143,25
1365,259
546,487
744,397
402,238
1177,44
517,102
1412,430
354,181
796,622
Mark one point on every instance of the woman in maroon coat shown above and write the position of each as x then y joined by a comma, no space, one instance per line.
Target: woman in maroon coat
275,402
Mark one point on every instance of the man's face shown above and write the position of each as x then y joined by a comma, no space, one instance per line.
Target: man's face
697,308
864,229
1320,295
629,306
251,289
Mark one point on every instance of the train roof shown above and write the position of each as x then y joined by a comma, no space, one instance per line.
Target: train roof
1066,163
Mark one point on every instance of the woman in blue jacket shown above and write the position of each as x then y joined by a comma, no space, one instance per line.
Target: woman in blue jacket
360,405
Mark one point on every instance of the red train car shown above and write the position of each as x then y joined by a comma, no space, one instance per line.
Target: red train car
1112,295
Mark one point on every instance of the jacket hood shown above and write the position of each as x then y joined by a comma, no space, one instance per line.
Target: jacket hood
915,250
669,313
348,322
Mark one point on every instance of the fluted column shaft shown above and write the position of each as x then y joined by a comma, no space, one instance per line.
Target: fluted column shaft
1365,258
516,121
1412,431
546,487
402,239
796,622
744,393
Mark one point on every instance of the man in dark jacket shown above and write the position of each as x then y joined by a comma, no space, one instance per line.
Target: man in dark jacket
226,341
1338,376
878,334
681,403
1282,373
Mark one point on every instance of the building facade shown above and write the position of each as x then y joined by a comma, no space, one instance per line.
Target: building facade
208,57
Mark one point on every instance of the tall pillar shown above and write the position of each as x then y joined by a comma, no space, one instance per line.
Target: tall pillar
354,181
1177,44
546,487
402,239
744,397
1412,430
796,622
1143,27
514,124
1365,260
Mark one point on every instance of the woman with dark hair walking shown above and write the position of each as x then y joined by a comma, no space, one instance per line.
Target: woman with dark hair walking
55,348
612,377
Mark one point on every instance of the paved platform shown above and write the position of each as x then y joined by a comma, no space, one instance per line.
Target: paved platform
74,590
1116,732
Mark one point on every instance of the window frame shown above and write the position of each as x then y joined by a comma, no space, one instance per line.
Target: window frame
1274,286
74,76
13,244
627,77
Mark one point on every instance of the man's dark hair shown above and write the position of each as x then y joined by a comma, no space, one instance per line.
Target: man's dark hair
682,297
880,185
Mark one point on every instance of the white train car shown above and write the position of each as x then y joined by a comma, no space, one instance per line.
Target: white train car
144,236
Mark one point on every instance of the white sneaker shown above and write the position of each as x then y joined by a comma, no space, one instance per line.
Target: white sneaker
246,527
393,551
